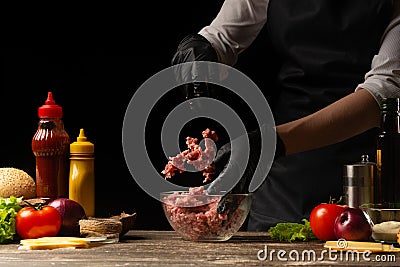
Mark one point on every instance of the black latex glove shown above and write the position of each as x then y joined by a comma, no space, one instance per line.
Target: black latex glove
229,168
194,47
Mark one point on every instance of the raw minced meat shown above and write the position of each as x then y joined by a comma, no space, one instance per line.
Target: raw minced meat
194,155
197,219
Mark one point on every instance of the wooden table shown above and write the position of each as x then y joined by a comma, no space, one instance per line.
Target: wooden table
166,248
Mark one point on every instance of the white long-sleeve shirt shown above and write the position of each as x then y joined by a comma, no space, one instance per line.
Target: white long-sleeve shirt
239,21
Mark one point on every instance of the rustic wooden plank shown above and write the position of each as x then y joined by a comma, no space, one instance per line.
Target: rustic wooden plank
166,248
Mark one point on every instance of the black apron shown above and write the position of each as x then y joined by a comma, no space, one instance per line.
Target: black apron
325,47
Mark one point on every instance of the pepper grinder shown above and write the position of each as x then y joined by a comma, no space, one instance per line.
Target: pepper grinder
358,182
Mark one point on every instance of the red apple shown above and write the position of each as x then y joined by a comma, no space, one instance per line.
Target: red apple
352,225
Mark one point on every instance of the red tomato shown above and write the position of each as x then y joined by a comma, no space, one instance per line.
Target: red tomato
322,220
32,222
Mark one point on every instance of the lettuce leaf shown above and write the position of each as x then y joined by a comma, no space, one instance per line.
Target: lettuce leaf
290,232
9,208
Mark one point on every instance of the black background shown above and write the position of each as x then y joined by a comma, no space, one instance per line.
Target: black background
93,58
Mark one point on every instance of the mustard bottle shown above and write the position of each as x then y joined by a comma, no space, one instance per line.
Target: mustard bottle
81,174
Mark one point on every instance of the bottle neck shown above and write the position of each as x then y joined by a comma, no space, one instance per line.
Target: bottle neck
57,121
81,156
390,122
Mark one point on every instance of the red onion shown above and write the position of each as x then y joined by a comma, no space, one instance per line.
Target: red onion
71,212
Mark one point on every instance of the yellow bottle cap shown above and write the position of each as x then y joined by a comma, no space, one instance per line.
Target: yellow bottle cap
81,146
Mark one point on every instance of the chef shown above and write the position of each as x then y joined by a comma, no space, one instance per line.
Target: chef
337,59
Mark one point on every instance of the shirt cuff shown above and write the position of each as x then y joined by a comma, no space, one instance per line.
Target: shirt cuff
383,80
218,41
380,89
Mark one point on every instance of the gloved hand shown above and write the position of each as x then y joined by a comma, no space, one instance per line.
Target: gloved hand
194,47
229,168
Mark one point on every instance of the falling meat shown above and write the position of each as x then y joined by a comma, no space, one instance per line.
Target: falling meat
200,159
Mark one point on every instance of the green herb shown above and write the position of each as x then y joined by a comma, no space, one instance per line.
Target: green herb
9,208
290,232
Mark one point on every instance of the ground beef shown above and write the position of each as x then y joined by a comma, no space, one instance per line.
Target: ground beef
194,155
197,219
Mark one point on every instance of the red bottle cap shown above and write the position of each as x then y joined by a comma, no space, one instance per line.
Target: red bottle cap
50,109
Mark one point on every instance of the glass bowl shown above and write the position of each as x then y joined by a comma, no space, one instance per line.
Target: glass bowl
385,221
193,214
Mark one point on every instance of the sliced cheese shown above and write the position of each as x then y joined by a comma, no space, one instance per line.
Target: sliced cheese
361,246
54,243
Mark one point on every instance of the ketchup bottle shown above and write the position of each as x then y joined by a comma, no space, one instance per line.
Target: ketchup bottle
50,145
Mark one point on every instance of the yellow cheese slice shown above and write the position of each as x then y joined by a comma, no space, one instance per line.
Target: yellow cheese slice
361,246
54,242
